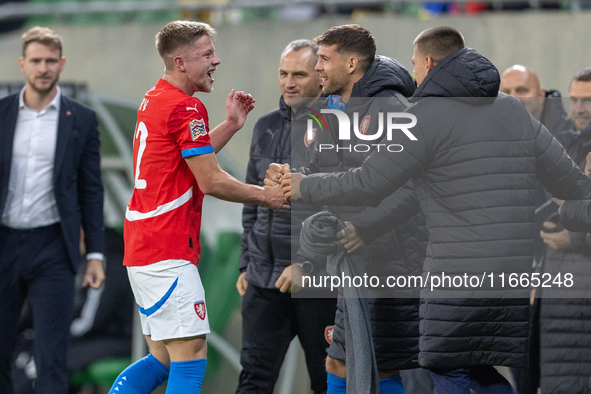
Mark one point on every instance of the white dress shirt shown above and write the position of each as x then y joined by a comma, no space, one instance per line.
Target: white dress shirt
30,202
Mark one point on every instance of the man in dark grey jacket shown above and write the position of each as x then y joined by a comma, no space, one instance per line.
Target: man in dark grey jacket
546,106
475,160
565,322
358,81
270,316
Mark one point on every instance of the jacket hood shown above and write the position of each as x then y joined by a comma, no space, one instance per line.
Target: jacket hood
384,77
553,93
554,117
465,73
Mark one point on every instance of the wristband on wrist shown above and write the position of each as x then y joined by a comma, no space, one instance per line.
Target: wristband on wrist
305,267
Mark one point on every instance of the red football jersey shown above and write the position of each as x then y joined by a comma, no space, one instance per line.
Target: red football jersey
163,217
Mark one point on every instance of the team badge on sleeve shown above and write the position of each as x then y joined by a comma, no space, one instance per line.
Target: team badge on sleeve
328,333
200,309
197,127
310,136
365,124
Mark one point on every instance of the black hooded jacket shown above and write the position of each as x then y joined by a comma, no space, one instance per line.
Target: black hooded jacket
476,159
383,88
392,248
564,322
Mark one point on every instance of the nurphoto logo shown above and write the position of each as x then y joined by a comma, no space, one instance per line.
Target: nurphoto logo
394,122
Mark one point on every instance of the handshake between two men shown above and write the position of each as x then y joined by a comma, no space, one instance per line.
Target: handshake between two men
280,174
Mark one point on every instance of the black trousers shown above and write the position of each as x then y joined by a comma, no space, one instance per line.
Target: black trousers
35,264
270,320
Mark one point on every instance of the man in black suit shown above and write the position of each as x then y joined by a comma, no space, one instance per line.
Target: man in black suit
50,185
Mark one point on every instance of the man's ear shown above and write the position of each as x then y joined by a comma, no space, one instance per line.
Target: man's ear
430,63
21,63
352,64
179,63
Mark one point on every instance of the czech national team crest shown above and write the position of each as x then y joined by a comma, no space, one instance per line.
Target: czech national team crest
200,309
310,136
364,124
328,333
197,127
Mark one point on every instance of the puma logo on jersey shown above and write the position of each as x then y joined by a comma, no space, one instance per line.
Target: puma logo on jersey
193,108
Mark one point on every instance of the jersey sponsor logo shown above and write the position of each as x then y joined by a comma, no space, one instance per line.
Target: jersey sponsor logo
364,124
200,309
310,136
197,127
328,333
193,108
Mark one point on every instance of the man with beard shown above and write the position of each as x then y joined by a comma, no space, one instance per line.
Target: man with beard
50,185
357,80
476,157
568,252
270,316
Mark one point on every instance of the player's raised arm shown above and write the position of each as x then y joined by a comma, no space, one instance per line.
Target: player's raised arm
217,183
238,105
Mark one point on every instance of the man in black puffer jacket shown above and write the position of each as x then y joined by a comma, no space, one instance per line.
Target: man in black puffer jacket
565,323
270,316
359,81
476,156
546,106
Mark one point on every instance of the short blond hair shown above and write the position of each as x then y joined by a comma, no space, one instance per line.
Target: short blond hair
42,35
178,34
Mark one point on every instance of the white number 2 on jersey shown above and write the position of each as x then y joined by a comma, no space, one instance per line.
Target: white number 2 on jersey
141,132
